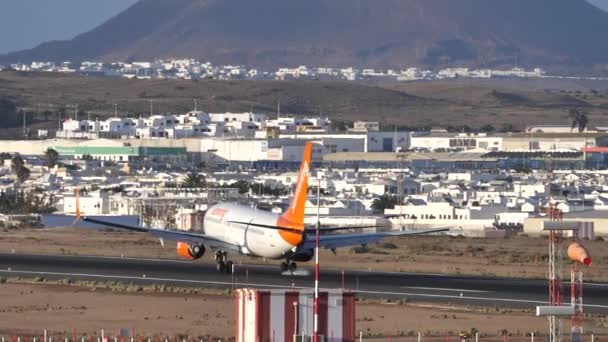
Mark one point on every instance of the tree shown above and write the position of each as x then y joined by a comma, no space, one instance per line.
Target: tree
194,180
4,156
36,202
46,114
87,157
18,167
579,119
17,162
385,202
339,125
9,114
52,157
507,127
242,185
62,113
488,128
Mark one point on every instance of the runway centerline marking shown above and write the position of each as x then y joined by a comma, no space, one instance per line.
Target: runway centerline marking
347,272
424,295
442,289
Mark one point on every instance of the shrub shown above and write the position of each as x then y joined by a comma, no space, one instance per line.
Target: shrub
360,249
389,245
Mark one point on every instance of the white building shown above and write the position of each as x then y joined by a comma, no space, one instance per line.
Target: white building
227,117
92,203
456,141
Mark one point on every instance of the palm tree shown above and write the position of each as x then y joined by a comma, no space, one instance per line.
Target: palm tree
52,157
194,180
18,166
579,119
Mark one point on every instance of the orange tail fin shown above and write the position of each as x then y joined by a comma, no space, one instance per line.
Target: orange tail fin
295,212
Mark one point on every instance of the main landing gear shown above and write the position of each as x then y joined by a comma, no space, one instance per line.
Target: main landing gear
289,266
222,264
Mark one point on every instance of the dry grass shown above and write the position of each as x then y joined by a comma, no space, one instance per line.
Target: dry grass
511,257
415,104
87,307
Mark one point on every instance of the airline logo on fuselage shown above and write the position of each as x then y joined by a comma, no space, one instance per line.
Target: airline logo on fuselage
218,213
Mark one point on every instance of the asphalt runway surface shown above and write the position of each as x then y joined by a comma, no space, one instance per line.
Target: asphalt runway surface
470,290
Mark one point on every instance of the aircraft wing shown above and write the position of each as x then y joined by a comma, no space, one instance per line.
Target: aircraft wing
346,240
167,234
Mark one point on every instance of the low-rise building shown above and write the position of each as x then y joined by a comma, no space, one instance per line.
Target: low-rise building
123,153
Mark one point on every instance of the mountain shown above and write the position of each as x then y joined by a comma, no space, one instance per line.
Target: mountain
374,33
603,4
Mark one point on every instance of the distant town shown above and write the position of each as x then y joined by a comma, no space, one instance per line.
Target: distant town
190,69
167,166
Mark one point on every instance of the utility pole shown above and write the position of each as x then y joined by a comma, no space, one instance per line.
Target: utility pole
278,109
115,110
24,125
316,300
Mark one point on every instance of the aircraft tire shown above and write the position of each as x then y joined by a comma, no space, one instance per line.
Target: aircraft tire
293,267
284,266
228,267
220,267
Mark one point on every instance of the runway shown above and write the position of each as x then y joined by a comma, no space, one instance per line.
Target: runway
518,293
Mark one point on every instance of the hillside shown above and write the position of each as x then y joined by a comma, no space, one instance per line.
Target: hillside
375,33
417,104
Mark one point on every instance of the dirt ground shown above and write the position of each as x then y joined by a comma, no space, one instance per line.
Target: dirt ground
505,257
29,308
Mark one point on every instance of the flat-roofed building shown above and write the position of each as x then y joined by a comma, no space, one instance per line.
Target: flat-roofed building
553,141
122,153
443,142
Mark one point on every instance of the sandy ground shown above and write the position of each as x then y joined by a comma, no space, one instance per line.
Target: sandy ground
511,257
59,308
32,307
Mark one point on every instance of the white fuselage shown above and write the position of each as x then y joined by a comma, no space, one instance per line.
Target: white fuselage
250,240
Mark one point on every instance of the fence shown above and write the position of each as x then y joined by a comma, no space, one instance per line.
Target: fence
480,337
47,337
126,336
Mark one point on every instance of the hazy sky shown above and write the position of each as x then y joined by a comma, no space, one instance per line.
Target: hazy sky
27,23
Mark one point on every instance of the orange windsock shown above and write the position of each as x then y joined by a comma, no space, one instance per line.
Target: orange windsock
77,203
578,252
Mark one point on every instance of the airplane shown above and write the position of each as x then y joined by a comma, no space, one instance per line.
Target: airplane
230,228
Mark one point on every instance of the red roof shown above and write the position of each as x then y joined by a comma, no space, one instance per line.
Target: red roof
595,149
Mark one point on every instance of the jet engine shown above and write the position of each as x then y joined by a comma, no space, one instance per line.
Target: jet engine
190,252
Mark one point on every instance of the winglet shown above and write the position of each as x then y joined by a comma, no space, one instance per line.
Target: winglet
295,212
